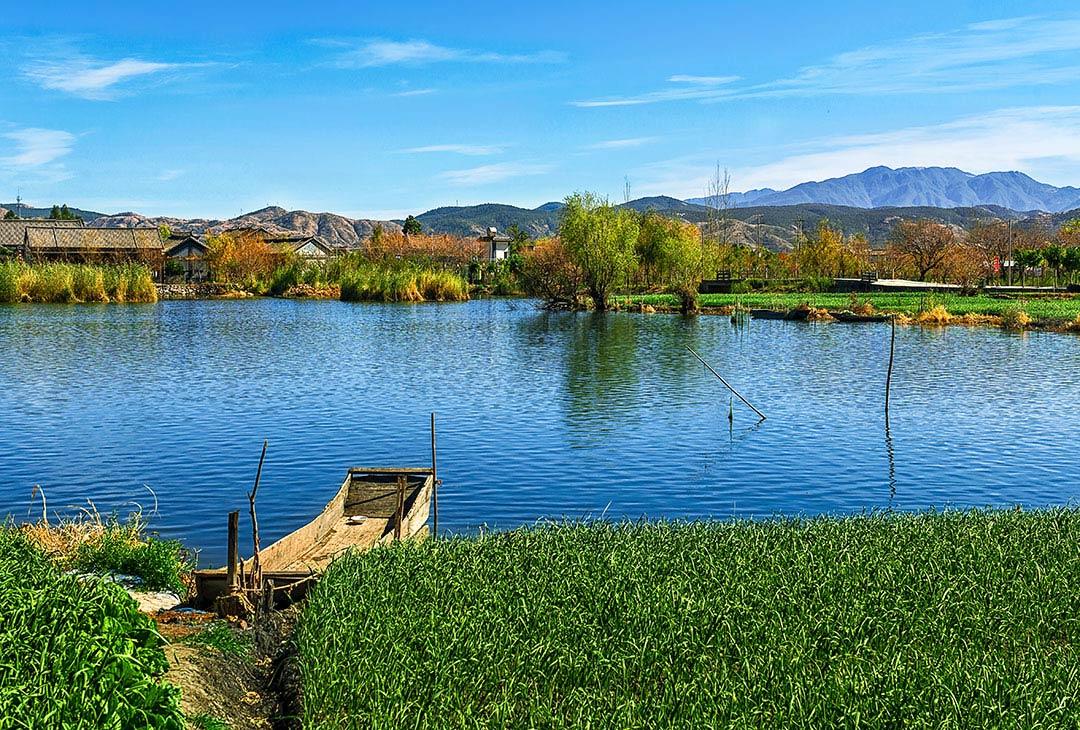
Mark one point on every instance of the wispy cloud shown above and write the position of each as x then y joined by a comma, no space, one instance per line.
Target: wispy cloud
498,172
621,144
167,175
684,88
990,55
414,92
1008,139
458,149
1042,141
35,147
381,52
95,79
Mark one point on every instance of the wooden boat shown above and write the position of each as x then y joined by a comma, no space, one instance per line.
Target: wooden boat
374,506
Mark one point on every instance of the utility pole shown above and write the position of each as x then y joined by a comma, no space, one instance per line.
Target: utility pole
18,203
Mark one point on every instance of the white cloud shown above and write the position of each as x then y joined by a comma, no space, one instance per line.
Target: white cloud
498,172
621,144
1041,141
459,149
415,92
35,147
167,175
1008,139
94,79
990,55
381,52
686,88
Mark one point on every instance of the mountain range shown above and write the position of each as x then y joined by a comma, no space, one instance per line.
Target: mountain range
939,187
869,202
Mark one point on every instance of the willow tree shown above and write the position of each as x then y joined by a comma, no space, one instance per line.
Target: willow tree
600,239
675,254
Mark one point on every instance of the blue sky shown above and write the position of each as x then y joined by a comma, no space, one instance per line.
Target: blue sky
378,110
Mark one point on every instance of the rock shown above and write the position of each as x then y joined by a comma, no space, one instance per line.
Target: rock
154,601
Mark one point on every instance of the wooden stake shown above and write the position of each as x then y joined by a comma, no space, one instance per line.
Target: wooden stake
399,513
256,565
888,377
434,482
737,395
234,552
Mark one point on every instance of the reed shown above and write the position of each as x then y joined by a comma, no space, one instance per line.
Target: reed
65,283
923,620
406,283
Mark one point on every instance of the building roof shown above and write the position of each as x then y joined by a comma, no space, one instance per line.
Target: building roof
297,241
13,232
493,236
176,241
93,239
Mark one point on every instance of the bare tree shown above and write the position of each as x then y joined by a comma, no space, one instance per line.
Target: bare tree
923,244
718,195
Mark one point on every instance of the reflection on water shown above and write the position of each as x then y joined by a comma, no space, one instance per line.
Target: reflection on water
541,414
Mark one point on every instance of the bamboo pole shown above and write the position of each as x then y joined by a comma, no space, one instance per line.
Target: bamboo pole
726,383
434,482
234,551
888,377
256,564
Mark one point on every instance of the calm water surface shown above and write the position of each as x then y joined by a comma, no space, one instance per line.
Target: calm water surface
541,415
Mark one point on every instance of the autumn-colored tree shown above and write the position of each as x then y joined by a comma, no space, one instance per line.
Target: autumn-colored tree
923,245
548,272
600,239
234,256
993,242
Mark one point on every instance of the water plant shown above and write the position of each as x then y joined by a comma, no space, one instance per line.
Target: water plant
923,620
63,283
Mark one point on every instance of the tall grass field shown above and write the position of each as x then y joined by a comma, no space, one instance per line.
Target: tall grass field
64,283
405,283
895,620
75,653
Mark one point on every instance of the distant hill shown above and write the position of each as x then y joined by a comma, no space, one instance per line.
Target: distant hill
939,187
28,212
475,219
335,229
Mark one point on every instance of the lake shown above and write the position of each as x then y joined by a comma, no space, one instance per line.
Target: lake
541,415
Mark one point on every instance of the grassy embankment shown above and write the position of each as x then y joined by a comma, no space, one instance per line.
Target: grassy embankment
908,303
75,653
63,283
929,620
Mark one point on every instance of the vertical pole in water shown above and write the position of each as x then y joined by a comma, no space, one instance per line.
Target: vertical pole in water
234,551
434,482
888,377
399,512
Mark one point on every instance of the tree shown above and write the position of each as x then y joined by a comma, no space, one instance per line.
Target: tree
62,213
412,226
1072,261
1054,256
54,214
548,272
164,231
1027,258
676,254
600,239
924,245
993,242
10,216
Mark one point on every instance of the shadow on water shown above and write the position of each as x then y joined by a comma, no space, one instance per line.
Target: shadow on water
890,452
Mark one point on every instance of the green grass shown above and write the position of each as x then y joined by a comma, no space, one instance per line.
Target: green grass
905,302
124,547
64,283
207,722
894,620
220,636
75,654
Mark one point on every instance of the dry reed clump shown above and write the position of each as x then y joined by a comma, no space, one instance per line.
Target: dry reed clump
859,306
66,283
1015,319
971,319
936,316
1073,326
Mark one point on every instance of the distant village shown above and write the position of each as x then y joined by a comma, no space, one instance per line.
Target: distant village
170,256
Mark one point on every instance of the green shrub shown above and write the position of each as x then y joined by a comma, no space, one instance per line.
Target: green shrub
74,653
88,284
124,547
